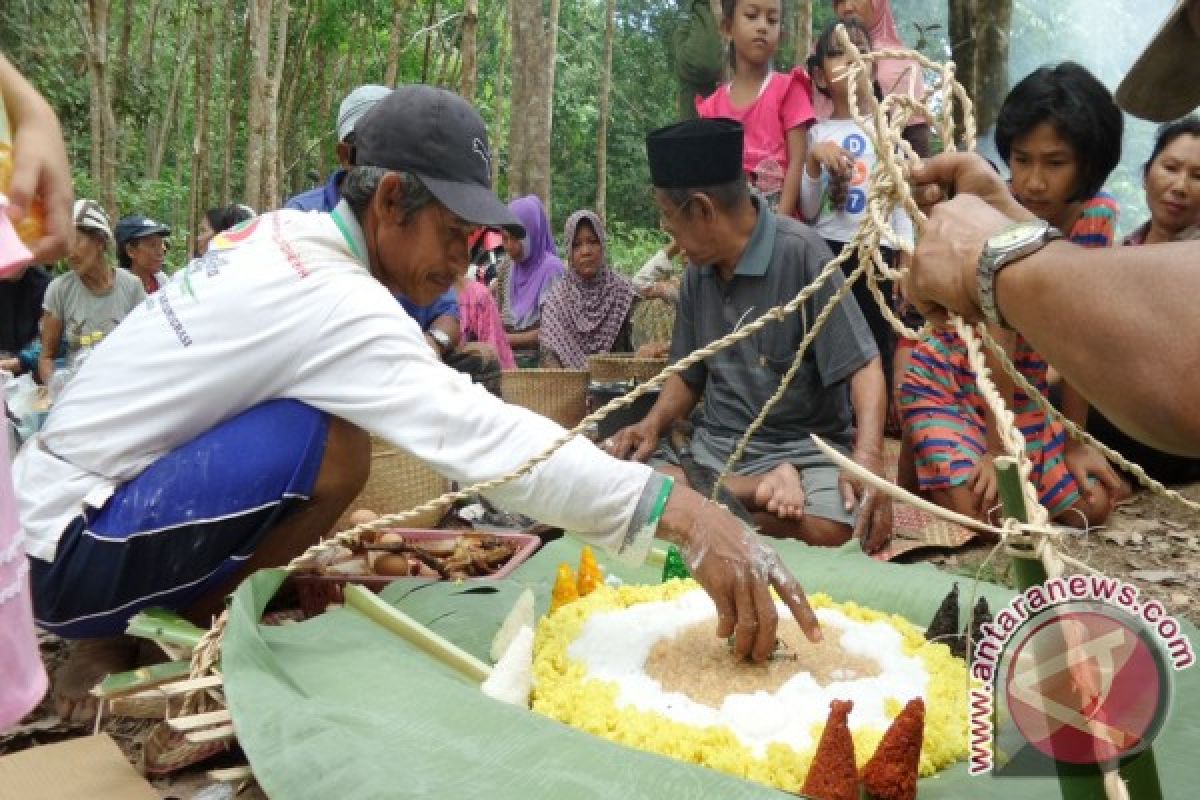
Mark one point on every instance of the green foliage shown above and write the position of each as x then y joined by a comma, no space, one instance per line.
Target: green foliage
630,247
347,45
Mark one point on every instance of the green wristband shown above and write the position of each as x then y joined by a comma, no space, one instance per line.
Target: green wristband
660,505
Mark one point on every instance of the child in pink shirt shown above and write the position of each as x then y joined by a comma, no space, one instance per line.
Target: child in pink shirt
774,108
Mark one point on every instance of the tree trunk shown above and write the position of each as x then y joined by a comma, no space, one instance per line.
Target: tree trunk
205,56
498,97
801,32
961,18
121,62
291,101
170,108
358,72
147,62
428,40
470,49
94,25
445,62
993,22
395,41
258,21
534,49
271,148
610,30
235,94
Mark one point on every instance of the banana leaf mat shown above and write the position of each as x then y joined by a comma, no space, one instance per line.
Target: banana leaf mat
913,529
339,707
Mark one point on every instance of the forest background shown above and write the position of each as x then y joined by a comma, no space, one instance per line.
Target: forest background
170,107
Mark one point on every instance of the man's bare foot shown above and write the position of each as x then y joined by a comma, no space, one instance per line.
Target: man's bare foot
781,492
89,662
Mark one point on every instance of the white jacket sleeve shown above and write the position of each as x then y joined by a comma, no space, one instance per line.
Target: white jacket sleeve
902,225
369,364
658,268
812,191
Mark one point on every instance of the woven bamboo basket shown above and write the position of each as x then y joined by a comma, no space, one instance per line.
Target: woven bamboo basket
397,483
610,367
560,394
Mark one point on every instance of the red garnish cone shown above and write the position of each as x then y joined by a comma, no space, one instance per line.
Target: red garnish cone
832,775
891,774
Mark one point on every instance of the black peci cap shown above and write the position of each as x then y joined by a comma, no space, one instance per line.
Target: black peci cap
438,137
695,153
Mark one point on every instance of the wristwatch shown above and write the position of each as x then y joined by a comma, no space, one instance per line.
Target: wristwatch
442,338
1009,245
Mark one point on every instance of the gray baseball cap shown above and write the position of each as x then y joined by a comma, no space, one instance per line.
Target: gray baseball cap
357,103
437,136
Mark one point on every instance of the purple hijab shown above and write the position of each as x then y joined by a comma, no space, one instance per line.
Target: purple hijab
539,266
581,317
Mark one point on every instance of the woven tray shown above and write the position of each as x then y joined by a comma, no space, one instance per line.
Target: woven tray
560,394
611,367
397,483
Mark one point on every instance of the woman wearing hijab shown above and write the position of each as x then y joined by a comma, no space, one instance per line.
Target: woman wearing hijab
588,311
894,75
524,279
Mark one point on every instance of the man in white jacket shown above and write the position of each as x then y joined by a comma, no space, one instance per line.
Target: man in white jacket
223,427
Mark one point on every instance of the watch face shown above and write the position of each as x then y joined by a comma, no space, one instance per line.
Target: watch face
1017,235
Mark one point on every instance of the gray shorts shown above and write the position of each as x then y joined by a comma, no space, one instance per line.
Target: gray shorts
818,474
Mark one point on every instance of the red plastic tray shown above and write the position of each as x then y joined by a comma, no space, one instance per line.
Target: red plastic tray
317,592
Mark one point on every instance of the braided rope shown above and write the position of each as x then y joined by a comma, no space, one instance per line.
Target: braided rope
787,378
353,535
887,190
1080,435
205,656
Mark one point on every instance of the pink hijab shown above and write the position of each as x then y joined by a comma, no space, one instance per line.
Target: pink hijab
894,75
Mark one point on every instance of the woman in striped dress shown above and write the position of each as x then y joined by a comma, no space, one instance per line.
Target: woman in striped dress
1060,133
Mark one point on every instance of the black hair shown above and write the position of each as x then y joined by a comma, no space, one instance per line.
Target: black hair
827,44
361,183
728,7
123,254
1079,108
1169,132
225,217
726,196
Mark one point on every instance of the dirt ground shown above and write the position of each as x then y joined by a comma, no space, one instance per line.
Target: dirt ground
1151,542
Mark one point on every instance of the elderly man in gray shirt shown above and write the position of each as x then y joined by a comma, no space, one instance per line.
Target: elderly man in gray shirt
744,261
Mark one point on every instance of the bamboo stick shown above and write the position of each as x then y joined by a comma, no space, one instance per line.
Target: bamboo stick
142,678
205,720
195,684
373,608
1028,571
160,625
231,775
210,735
